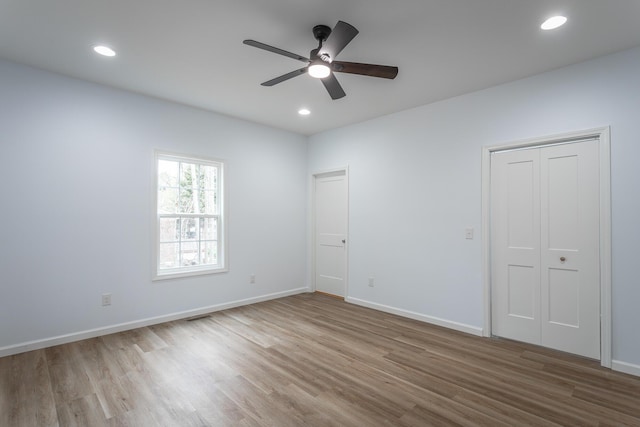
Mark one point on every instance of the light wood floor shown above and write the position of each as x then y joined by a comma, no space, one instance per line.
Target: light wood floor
309,360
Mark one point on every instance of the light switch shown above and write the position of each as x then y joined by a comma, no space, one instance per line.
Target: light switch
469,233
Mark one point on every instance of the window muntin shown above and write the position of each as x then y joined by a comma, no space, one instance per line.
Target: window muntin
189,216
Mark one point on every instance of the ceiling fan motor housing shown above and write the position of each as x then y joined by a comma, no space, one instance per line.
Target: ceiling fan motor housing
321,32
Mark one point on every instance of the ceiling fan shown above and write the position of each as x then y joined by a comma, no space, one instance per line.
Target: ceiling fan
322,64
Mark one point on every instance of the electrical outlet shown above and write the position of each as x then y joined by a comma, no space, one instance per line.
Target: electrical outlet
252,278
106,299
371,282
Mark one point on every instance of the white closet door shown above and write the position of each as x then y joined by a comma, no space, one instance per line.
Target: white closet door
570,287
515,197
545,246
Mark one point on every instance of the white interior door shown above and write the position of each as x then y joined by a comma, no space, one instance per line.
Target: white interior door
570,244
515,196
330,232
545,246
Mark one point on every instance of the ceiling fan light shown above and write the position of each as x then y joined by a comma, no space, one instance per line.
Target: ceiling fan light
319,69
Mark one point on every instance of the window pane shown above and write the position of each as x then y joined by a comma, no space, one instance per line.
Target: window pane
189,173
169,255
209,229
209,179
167,173
188,198
167,200
189,229
188,188
169,229
208,202
190,253
198,187
209,252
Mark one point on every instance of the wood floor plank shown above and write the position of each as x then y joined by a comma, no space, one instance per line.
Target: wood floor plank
81,412
443,412
257,404
122,347
7,390
211,403
539,401
26,397
309,360
69,382
616,403
501,411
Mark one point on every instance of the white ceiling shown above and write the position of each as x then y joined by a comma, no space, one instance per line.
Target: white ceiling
191,51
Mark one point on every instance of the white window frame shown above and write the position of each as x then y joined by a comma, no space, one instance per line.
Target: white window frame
221,216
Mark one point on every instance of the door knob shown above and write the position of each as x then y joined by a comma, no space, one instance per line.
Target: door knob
344,241
562,259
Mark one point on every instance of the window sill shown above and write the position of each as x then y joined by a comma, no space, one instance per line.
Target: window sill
188,273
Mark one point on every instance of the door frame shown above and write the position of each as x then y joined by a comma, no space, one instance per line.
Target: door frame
604,142
323,174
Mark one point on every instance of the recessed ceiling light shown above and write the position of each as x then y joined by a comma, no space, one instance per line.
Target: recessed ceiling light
553,22
104,50
304,112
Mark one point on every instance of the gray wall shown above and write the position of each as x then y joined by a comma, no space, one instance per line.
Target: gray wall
415,185
76,181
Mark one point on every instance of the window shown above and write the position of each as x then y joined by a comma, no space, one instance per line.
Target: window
190,237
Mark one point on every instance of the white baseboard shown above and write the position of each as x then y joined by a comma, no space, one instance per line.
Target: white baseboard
92,333
627,368
473,330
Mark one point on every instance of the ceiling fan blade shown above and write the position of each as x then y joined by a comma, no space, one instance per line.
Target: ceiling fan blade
285,77
382,71
275,50
340,36
333,87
